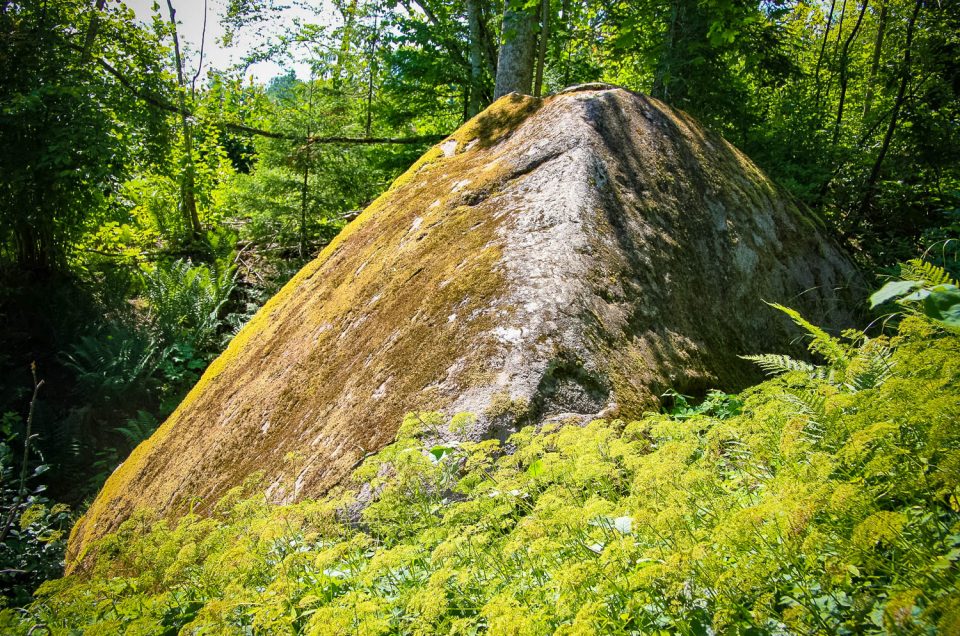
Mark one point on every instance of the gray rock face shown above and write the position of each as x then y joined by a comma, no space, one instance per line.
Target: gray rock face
553,259
639,251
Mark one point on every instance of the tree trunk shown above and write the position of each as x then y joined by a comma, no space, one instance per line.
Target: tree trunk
188,201
871,185
371,77
476,57
305,185
491,47
542,49
92,30
845,71
875,62
823,50
515,66
833,58
661,75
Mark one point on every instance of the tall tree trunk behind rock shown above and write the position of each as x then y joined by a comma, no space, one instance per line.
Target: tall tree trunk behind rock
542,46
188,200
875,62
823,50
845,72
869,190
518,52
476,56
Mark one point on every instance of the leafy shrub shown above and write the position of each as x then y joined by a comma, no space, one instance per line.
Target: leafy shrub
32,528
113,366
824,505
129,374
925,288
185,302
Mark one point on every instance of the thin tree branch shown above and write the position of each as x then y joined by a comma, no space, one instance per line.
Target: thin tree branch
92,30
203,41
162,104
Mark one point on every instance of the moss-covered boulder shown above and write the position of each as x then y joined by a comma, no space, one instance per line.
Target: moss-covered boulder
508,273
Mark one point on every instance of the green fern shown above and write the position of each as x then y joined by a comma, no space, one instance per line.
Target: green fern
870,367
139,428
185,302
927,273
812,406
773,364
111,364
862,364
821,343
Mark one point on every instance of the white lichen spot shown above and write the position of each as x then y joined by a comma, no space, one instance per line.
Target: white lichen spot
417,222
298,484
451,317
434,204
449,147
459,185
265,427
509,335
380,392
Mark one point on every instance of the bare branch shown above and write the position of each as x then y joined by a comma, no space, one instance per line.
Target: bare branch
162,104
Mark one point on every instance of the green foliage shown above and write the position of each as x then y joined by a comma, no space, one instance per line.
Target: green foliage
32,529
185,302
927,288
743,523
131,372
70,129
716,404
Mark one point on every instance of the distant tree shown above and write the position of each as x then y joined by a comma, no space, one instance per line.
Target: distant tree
69,130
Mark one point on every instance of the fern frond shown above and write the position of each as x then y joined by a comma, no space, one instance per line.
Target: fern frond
812,406
821,342
773,364
929,274
870,367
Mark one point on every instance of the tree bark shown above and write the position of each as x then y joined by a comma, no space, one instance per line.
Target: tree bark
542,48
871,184
875,62
476,56
191,219
515,66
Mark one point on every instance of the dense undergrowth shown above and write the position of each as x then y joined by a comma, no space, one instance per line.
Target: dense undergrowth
824,500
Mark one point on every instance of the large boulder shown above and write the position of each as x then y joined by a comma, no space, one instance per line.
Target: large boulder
578,254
